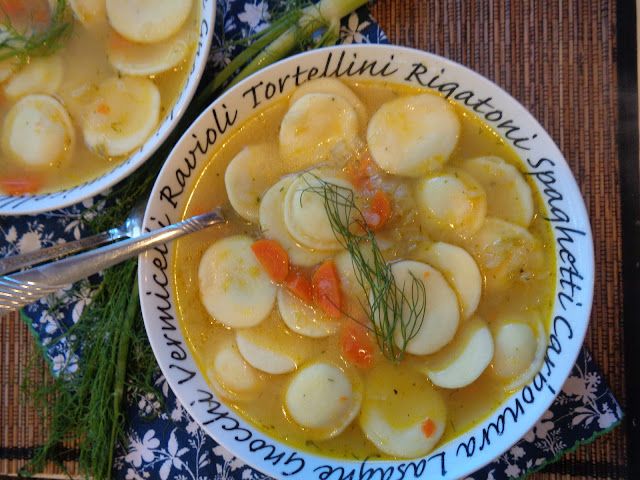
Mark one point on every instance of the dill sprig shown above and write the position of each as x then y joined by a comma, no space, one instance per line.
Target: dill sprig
396,312
20,45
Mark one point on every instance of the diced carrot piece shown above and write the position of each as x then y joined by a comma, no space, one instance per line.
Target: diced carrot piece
359,172
326,289
20,185
103,109
25,13
356,346
428,428
13,8
300,286
273,258
378,213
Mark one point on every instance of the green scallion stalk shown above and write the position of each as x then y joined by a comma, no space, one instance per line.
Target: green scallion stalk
326,15
268,36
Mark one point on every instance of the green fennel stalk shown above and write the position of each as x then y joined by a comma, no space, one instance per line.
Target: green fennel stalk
87,403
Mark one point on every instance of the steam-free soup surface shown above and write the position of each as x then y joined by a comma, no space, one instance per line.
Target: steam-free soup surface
75,114
457,221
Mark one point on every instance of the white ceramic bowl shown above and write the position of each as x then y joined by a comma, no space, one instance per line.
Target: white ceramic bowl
31,204
565,209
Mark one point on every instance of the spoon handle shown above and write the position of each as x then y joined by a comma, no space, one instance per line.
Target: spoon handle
25,287
14,263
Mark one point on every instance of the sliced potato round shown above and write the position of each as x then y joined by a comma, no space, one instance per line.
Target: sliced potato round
234,288
272,224
413,136
37,132
460,270
515,349
508,194
304,319
462,361
305,214
323,399
391,389
40,75
314,125
250,173
452,204
89,12
441,314
231,376
505,253
332,86
263,358
144,59
520,347
123,115
147,21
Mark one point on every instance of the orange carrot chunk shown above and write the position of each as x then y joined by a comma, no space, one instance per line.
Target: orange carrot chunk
103,109
356,346
273,258
20,185
378,213
13,8
326,289
428,428
359,171
300,286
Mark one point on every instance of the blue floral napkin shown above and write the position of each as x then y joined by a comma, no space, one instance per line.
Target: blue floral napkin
173,445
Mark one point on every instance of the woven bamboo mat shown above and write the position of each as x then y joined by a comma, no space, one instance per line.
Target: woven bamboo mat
558,59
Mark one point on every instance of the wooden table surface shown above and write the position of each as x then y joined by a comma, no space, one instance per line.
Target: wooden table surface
558,58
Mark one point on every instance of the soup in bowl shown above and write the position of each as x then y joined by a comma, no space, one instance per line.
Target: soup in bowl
96,87
387,292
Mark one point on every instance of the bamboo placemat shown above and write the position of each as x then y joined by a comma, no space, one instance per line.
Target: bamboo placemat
558,59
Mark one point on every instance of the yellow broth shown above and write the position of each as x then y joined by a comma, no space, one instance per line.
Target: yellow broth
466,406
85,65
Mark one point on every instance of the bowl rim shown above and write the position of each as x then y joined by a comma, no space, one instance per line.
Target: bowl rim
577,328
29,204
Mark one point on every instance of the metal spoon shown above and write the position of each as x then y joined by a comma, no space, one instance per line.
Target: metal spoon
25,287
131,228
